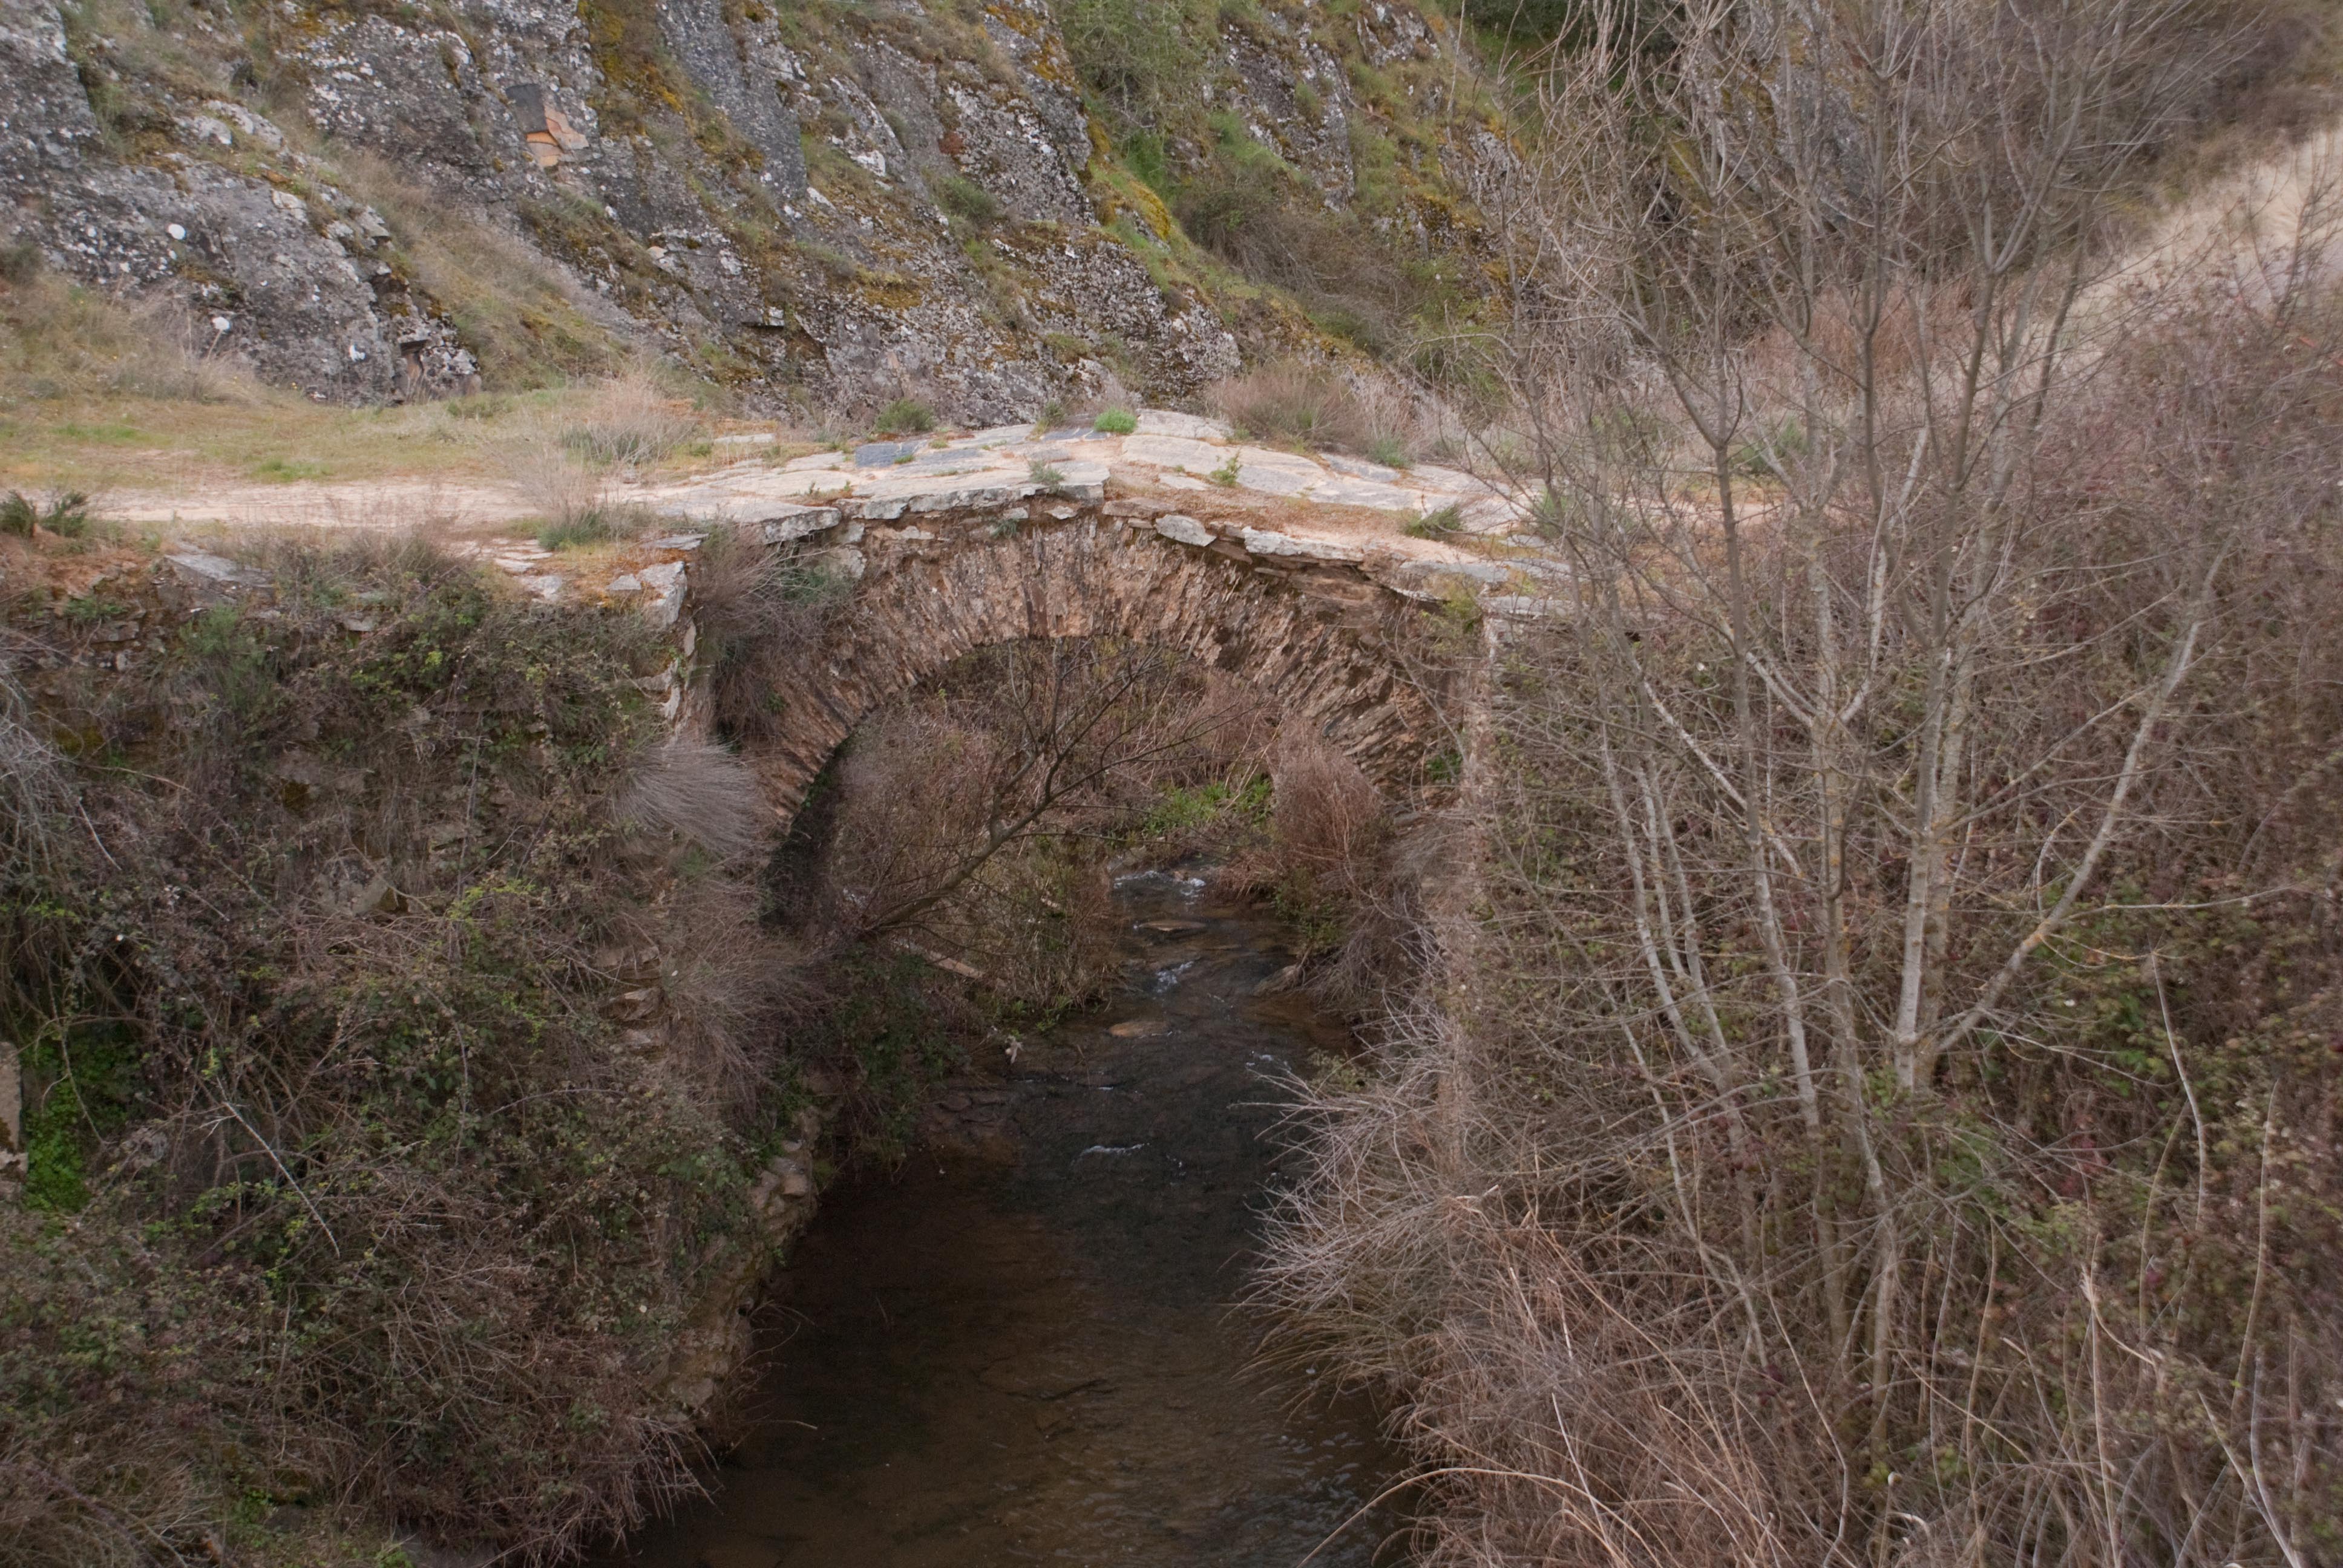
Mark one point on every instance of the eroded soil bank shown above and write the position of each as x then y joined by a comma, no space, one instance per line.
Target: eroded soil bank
1019,1347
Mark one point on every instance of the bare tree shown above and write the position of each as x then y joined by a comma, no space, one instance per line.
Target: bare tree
974,818
1903,549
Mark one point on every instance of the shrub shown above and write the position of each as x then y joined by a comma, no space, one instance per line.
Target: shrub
1889,1132
1116,422
943,831
1769,453
371,1202
905,416
1440,525
599,525
758,607
1324,865
1247,207
964,198
289,470
20,262
631,423
66,515
1292,402
1135,55
1550,514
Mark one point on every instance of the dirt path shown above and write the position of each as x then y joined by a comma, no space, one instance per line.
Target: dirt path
428,506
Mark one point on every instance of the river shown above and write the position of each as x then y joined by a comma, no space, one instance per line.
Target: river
1021,1347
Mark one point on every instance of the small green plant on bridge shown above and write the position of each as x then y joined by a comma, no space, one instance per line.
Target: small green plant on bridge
1444,523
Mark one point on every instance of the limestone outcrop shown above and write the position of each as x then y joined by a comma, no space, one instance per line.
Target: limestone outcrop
819,204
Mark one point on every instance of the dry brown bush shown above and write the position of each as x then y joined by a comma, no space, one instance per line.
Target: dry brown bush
555,483
1884,1112
342,1184
1289,400
699,791
1297,402
631,423
1331,863
758,610
973,820
1329,817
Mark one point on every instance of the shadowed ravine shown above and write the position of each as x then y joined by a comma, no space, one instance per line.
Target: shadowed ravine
1019,1347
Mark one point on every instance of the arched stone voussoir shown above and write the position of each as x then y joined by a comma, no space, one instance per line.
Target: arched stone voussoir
1319,636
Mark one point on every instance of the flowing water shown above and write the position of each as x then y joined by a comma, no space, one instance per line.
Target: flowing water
1020,1348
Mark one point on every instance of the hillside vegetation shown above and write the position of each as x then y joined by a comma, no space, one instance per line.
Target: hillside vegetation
1878,1103
348,1176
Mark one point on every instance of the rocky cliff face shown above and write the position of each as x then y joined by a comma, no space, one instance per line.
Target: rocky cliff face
829,205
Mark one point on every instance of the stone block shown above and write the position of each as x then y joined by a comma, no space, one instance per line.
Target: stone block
1351,492
1494,572
1173,452
202,570
1184,529
663,592
1360,468
1453,481
1263,542
1272,481
1524,606
788,523
1187,427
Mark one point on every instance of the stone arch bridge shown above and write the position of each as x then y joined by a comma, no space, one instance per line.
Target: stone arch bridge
1331,632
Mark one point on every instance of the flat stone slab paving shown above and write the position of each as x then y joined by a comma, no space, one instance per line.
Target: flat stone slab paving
1255,499
1170,450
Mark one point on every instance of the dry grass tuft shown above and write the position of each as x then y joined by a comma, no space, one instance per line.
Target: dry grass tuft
698,791
557,485
60,340
632,422
1291,401
1297,402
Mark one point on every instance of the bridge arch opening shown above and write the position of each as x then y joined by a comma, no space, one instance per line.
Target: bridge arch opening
980,818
